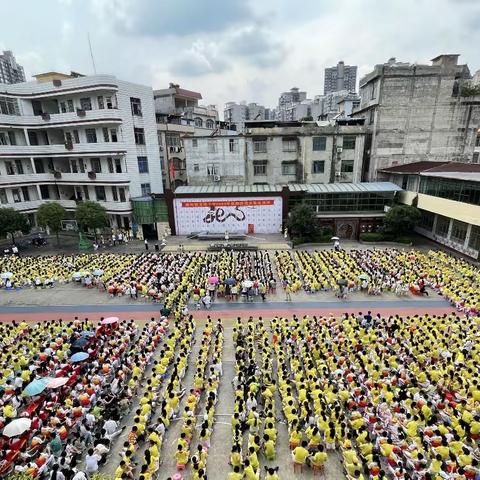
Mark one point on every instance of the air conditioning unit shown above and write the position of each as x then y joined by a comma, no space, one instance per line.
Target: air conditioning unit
161,148
216,178
338,174
339,149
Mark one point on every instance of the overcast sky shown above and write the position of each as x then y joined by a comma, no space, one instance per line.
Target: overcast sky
233,50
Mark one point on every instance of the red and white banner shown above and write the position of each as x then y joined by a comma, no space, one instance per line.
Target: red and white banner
233,215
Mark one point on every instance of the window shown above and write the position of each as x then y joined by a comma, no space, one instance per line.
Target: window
136,106
111,102
349,142
474,240
194,143
475,157
12,138
477,140
426,220
319,144
101,104
259,145
142,164
63,107
232,145
458,190
9,168
371,116
86,192
172,140
19,165
198,122
3,139
139,136
26,194
91,134
39,168
44,192
347,166
196,167
106,136
373,93
210,124
3,196
110,165
86,103
212,169
121,191
259,168
118,165
443,224
212,146
115,194
76,137
459,231
318,166
96,165
16,195
289,144
73,165
100,193
289,168
9,106
32,138
113,135
146,191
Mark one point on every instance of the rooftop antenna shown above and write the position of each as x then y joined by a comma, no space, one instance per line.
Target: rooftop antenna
91,54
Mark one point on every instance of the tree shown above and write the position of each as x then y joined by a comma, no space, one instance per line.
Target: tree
50,215
401,219
12,221
302,221
92,215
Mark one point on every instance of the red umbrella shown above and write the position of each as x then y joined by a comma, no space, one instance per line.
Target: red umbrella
57,382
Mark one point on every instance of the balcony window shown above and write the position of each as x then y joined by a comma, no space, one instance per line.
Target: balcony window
12,137
110,164
26,194
91,134
101,103
319,144
260,146
113,135
66,106
139,136
44,192
76,136
289,168
260,168
3,138
347,166
86,103
136,106
118,165
106,136
232,145
142,164
100,193
473,242
96,165
212,169
459,231
146,190
19,166
39,168
442,226
198,122
477,141
3,196
210,124
9,106
9,168
16,195
86,192
73,165
111,102
121,191
349,142
289,144
115,194
318,166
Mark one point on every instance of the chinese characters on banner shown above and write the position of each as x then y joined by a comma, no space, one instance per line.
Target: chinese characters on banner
235,215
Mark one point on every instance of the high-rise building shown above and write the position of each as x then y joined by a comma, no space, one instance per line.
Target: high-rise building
418,113
287,102
10,70
68,139
340,77
238,113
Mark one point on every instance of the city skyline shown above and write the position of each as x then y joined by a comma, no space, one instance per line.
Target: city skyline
247,51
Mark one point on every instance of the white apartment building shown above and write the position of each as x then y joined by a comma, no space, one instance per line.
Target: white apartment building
71,138
238,113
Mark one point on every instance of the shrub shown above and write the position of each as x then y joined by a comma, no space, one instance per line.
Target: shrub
372,237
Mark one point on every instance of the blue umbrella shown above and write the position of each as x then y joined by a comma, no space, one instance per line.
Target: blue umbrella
87,333
81,342
79,357
36,387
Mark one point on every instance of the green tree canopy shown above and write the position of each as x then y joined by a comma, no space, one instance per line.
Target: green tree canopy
302,221
401,219
91,215
12,221
50,215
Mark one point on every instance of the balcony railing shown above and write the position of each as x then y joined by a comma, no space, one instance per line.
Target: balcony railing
65,178
61,149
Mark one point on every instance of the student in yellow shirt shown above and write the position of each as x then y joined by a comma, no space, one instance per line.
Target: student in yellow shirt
181,457
300,454
236,474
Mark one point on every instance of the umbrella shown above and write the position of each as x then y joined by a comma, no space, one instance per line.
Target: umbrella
80,343
335,238
87,333
342,281
109,320
5,275
77,275
247,283
79,357
230,281
17,427
213,279
36,387
363,276
98,272
57,382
